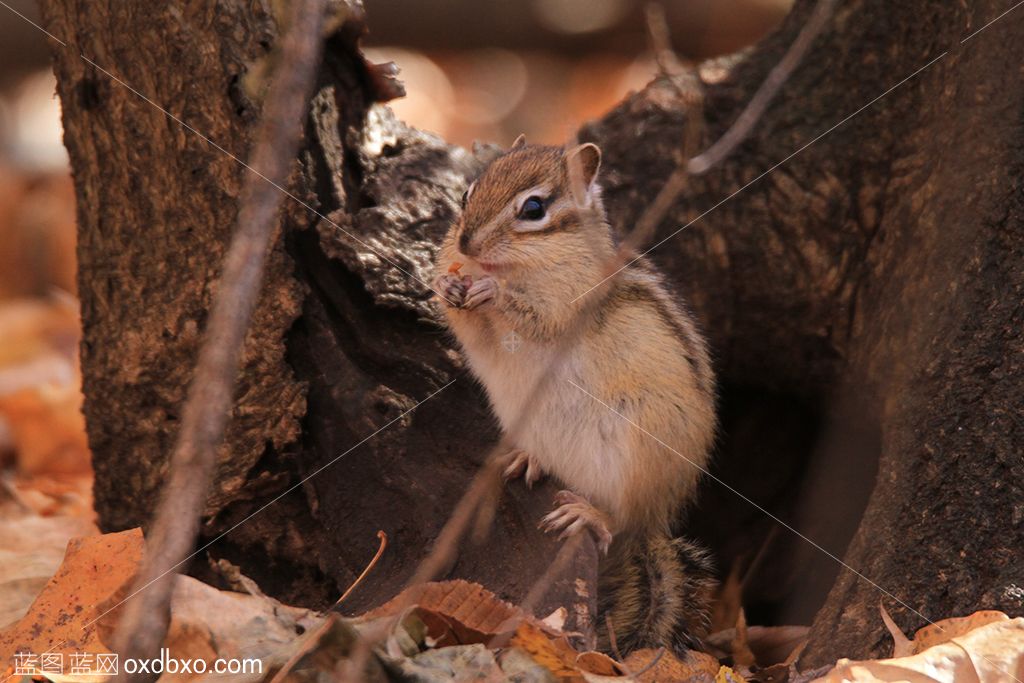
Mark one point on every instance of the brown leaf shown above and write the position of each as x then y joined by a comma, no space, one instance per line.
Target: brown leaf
96,572
728,600
555,655
986,646
770,644
31,550
598,663
741,652
48,429
210,624
945,630
901,645
475,614
697,668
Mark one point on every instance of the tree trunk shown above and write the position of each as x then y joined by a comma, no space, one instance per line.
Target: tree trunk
863,299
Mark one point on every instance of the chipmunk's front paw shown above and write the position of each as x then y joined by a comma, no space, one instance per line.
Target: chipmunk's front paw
483,291
575,514
452,289
522,464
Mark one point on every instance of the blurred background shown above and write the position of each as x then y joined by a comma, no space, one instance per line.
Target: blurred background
473,71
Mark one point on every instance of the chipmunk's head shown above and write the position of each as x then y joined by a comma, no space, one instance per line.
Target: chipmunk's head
535,206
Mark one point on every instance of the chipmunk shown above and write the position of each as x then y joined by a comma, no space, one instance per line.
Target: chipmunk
609,389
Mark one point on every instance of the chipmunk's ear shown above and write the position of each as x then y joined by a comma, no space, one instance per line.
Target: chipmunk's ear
520,142
582,163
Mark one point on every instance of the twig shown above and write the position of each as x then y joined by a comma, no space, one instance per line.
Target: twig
380,551
565,554
661,45
610,625
143,627
651,664
311,642
692,100
569,548
779,74
656,211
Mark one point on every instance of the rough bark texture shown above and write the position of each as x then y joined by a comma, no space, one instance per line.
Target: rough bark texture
864,301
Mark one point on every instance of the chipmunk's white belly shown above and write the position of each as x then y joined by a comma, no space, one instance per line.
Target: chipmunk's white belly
575,438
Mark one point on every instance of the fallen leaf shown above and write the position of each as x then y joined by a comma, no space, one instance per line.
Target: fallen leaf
741,652
725,609
555,655
31,550
48,429
95,572
945,630
989,653
556,620
519,666
901,645
458,663
475,614
770,644
727,675
33,328
598,663
56,495
698,667
211,624
323,650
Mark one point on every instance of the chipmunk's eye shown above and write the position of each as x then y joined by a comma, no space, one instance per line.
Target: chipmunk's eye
533,209
465,196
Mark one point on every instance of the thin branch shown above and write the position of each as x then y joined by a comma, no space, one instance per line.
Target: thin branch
142,628
373,563
569,549
661,44
692,101
779,74
610,625
691,98
653,663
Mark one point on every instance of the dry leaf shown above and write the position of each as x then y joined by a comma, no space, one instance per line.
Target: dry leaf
556,620
96,572
741,653
48,429
945,630
211,624
475,614
770,644
597,664
728,599
727,675
901,645
31,550
697,668
989,653
37,232
555,655
33,328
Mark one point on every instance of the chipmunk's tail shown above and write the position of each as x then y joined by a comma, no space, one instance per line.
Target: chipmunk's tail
658,593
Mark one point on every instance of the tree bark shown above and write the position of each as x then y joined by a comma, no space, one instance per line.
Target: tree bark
863,300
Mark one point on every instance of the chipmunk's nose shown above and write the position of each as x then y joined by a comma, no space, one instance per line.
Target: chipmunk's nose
465,245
